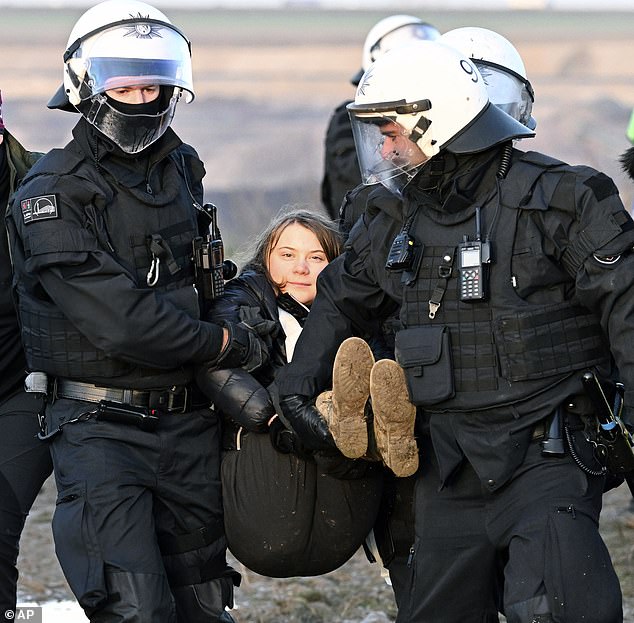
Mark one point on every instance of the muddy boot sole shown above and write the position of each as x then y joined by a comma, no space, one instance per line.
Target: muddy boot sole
350,392
394,418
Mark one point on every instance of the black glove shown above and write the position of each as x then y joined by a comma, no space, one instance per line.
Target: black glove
282,439
307,422
251,317
244,350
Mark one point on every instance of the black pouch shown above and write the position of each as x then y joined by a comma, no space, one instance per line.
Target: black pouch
424,353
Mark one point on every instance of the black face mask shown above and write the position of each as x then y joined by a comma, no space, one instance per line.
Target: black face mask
133,127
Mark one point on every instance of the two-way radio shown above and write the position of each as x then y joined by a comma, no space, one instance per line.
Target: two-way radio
211,267
474,260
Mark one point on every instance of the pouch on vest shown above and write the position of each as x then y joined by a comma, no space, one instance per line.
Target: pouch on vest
424,353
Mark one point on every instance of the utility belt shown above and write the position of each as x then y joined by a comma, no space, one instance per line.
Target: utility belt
176,399
140,407
573,429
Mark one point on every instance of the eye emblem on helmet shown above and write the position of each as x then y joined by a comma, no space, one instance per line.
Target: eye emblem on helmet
143,30
365,82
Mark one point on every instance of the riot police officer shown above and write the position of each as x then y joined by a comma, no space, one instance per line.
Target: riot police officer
341,167
102,234
511,274
508,87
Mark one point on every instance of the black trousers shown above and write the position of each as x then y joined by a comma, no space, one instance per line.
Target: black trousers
531,550
138,523
394,532
285,516
25,464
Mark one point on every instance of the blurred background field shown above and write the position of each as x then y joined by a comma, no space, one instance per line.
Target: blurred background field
266,83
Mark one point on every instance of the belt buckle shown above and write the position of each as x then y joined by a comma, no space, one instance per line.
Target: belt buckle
185,399
174,406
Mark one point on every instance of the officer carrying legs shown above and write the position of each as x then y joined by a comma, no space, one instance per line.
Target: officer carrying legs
102,235
511,272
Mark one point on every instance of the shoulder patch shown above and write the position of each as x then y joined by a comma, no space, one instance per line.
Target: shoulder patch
602,186
39,208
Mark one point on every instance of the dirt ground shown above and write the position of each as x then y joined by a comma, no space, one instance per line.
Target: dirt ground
354,593
266,84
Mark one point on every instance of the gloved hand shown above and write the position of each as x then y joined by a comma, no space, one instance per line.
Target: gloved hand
286,441
282,439
252,318
307,422
244,349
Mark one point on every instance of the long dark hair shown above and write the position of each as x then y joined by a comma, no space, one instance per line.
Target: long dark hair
323,227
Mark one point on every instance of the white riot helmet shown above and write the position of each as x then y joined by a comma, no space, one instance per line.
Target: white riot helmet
122,43
417,100
502,68
390,32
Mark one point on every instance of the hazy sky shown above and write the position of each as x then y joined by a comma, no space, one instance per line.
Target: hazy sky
364,4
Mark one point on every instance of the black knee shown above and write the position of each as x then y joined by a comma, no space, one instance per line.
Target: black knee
201,580
135,598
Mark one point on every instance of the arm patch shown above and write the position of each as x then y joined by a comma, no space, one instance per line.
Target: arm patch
601,185
39,208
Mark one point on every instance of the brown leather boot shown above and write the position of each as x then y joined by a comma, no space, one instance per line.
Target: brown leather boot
344,407
394,418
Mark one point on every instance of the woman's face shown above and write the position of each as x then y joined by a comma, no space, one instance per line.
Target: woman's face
295,261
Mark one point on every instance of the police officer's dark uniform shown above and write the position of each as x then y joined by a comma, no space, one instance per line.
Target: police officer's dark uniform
25,462
102,246
341,167
499,526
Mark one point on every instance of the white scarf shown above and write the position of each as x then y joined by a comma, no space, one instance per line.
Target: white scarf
292,329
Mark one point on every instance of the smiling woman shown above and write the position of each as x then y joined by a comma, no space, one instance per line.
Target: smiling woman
295,262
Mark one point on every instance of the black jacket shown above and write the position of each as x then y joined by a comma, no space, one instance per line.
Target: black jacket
341,166
103,265
241,396
15,161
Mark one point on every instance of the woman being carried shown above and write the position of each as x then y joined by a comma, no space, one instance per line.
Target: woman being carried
287,512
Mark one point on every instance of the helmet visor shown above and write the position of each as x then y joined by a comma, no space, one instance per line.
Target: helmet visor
113,73
507,91
138,54
385,151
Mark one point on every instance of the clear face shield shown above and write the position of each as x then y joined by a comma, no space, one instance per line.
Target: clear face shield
509,92
386,152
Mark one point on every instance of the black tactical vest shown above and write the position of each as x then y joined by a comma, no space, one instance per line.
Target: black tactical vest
504,349
152,241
